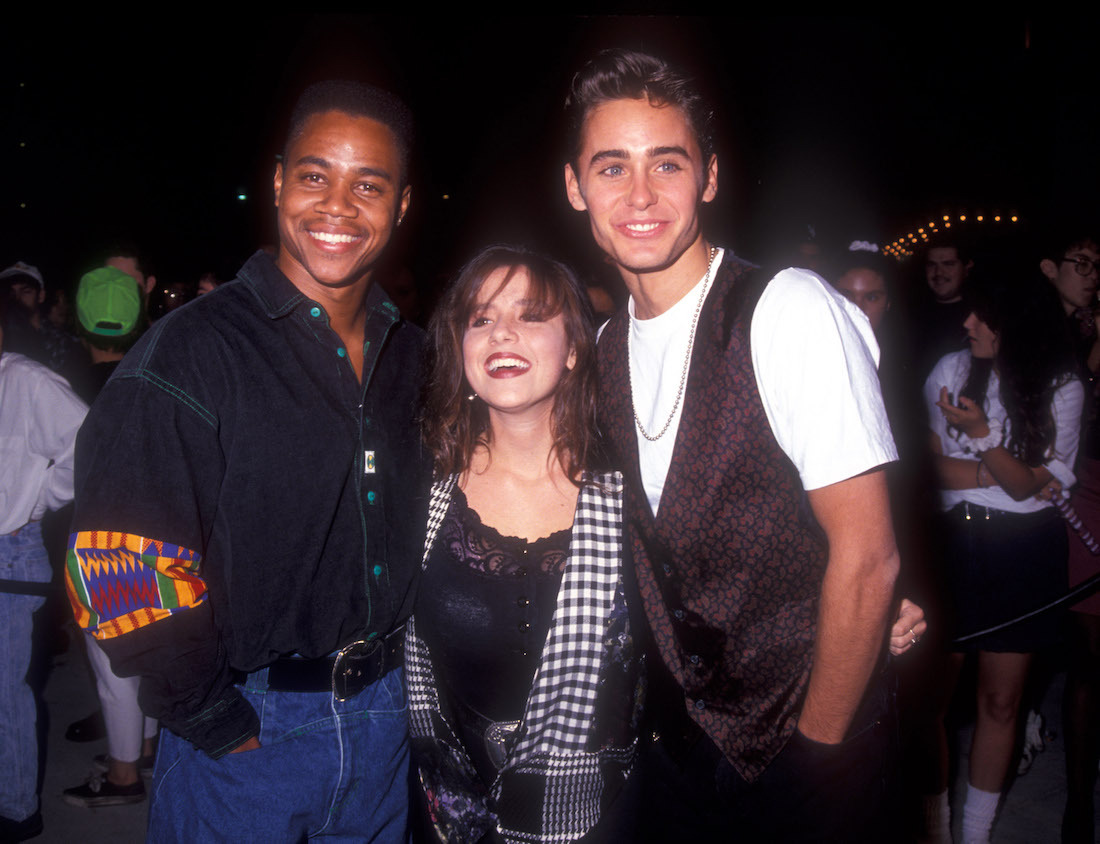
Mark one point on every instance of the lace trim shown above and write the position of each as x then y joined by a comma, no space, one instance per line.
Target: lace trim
484,549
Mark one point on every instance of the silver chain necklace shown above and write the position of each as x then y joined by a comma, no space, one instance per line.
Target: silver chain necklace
687,359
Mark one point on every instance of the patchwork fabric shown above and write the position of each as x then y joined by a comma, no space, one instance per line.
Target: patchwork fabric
563,765
118,582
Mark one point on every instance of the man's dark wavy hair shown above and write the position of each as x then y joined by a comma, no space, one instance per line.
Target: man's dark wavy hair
621,74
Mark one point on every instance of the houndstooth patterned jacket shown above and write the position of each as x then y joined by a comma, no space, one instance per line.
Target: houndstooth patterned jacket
576,742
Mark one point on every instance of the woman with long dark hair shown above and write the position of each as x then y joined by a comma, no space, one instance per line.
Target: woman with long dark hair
523,681
1005,419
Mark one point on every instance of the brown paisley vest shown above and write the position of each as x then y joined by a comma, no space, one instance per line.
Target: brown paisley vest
730,571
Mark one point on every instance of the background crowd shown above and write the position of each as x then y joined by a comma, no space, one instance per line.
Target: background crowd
998,295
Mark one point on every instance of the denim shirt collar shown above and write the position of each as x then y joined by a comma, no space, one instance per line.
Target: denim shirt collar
278,296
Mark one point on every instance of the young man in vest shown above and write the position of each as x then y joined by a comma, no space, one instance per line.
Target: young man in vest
769,618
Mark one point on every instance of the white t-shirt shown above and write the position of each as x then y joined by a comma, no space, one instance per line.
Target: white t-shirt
1066,408
39,418
816,361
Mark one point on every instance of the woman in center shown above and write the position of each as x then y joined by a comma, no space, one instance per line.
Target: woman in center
524,686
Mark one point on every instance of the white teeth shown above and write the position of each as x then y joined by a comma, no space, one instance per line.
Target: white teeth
642,227
501,363
332,238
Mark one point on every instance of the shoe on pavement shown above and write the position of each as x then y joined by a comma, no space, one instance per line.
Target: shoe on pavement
100,791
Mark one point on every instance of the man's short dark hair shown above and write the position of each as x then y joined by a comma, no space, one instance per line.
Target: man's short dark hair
126,249
950,240
621,74
358,100
1056,240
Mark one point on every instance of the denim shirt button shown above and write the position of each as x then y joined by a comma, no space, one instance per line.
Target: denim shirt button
342,352
371,496
315,312
378,571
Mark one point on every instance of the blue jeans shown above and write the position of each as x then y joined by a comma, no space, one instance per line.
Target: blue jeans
22,557
325,767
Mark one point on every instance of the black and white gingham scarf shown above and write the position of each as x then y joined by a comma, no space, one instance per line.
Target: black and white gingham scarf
554,755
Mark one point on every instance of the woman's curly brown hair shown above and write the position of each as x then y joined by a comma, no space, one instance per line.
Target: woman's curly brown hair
453,426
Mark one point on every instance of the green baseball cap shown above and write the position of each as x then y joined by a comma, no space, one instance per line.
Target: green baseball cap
108,302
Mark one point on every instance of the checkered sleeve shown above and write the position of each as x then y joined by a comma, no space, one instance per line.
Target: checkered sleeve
563,699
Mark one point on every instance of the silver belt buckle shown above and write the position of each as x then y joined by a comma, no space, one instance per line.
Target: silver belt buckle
347,668
497,735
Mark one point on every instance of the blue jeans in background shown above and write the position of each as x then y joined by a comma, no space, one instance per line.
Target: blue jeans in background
22,557
337,769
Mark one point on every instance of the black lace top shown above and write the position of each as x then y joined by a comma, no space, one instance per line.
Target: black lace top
485,606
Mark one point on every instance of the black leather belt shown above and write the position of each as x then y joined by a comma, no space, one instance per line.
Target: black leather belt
964,511
345,673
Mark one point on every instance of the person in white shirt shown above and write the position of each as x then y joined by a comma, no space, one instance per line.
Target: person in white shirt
1005,421
736,405
39,418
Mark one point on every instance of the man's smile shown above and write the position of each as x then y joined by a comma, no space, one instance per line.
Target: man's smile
641,228
328,237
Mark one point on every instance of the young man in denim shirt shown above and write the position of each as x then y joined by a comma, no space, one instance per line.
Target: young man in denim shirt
249,509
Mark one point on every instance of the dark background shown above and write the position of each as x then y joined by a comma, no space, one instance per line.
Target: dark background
858,127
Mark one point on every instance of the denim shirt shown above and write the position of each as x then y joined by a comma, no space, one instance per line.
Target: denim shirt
241,496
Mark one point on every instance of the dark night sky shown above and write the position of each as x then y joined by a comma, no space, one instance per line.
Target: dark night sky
859,126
